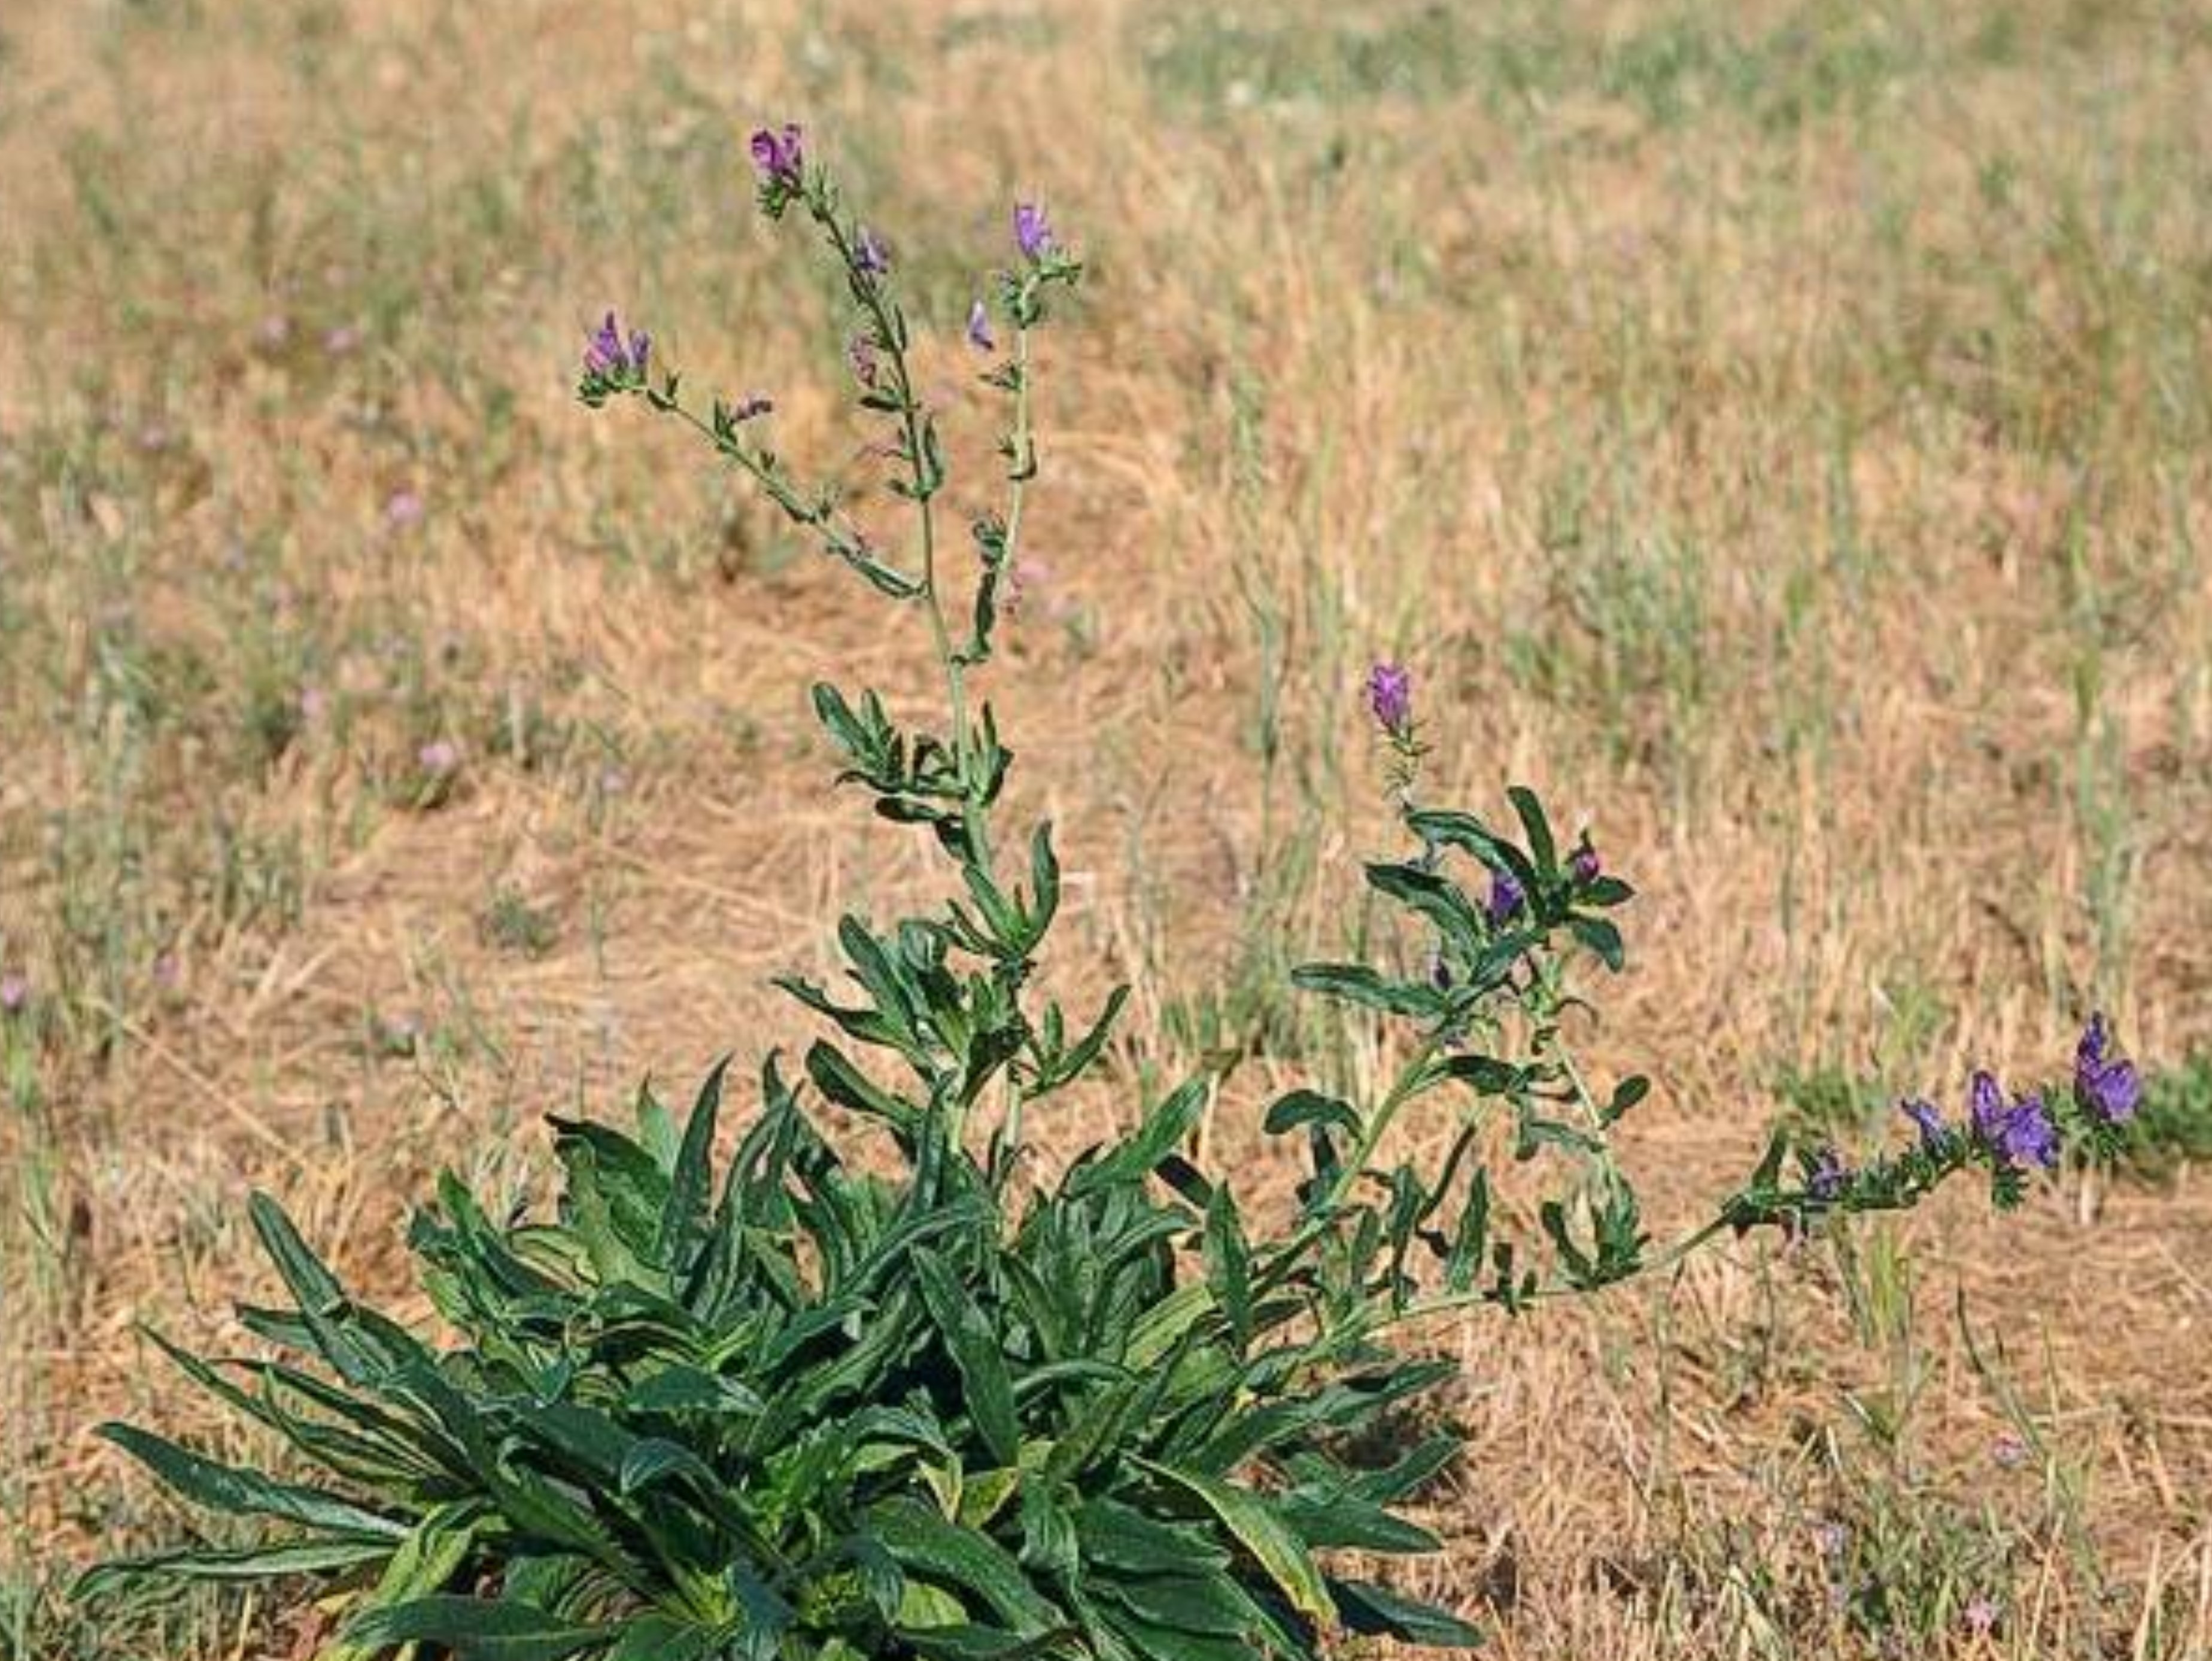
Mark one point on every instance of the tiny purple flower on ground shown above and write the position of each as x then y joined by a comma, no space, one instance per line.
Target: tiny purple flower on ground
440,757
2009,1451
1981,1615
14,992
1507,897
341,340
1390,698
403,510
1032,231
979,328
2109,1090
871,257
1828,1178
1831,1537
778,156
1933,1132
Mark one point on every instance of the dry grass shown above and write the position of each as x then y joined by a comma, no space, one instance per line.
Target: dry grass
1784,435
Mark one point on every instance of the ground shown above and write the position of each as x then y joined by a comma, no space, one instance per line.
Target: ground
1782,433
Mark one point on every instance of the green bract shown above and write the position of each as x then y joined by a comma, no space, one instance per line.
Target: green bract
789,1406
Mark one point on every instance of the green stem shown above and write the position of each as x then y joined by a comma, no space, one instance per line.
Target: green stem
1412,1078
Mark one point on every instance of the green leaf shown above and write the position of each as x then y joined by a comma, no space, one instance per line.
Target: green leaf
1626,1094
1229,1263
976,1352
924,1544
1298,1107
1262,1533
690,1185
1602,939
268,1562
838,1078
1355,983
477,1629
1543,850
1159,1135
966,1641
1434,897
426,1562
1485,1075
236,1491
1121,1537
1184,1603
1376,1611
658,1637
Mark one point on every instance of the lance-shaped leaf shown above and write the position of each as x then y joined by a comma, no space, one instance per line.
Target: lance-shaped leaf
1273,1545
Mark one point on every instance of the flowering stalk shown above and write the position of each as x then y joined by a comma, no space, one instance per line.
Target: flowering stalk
950,786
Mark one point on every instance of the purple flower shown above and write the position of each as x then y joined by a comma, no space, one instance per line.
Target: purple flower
777,155
1506,897
1934,1133
1827,1178
2107,1090
1584,865
871,257
2018,1132
1390,698
1981,1615
403,509
440,757
14,992
979,328
1032,232
2009,1451
609,357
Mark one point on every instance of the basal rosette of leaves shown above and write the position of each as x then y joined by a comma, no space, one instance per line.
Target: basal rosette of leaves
789,1408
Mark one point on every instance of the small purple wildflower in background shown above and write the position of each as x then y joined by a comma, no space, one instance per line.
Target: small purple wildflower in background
1981,1615
2009,1451
1032,231
403,510
871,256
341,340
440,757
1507,897
1934,1133
608,356
1390,698
777,155
1827,1179
2018,1132
979,328
2109,1090
1831,1537
14,992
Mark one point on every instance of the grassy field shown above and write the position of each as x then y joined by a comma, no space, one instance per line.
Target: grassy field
1782,432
